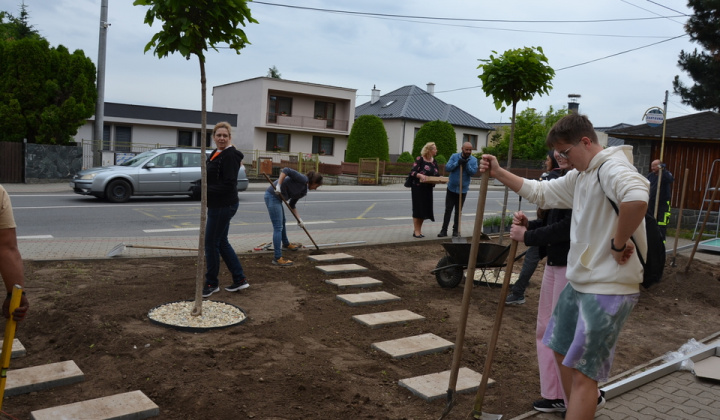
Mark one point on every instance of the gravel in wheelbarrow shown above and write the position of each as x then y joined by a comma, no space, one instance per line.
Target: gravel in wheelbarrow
449,270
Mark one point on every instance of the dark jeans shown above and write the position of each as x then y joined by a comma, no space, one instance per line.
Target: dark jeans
530,263
451,203
217,245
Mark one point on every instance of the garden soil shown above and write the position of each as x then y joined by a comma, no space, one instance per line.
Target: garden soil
299,355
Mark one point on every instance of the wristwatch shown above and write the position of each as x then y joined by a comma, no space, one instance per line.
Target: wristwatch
612,246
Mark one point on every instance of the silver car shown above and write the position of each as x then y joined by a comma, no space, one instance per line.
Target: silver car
168,171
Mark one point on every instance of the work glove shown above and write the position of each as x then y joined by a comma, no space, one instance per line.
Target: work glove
301,225
277,190
662,165
462,161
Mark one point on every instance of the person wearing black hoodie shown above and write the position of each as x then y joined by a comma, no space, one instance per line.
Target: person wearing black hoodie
223,166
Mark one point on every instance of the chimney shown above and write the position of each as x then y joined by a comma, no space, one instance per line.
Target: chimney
573,104
374,95
431,88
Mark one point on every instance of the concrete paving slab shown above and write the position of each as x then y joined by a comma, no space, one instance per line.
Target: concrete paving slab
18,350
383,319
435,385
131,405
341,268
371,298
354,282
37,378
330,257
413,346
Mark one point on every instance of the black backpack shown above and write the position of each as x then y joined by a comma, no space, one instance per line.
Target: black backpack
655,264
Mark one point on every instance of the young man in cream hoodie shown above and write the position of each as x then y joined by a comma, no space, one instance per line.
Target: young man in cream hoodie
603,273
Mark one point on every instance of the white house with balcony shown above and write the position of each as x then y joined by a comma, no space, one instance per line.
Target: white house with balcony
277,115
404,110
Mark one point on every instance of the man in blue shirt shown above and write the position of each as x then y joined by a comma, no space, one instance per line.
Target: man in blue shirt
469,165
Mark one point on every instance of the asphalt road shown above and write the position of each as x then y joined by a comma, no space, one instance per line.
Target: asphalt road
63,214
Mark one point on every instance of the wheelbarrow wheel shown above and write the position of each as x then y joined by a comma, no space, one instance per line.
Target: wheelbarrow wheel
449,277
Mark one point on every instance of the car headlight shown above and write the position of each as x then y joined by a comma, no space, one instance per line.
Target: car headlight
88,176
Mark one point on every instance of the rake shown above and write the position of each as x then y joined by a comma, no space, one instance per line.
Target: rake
118,249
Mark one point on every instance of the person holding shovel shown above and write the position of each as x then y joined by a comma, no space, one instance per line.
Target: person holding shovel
223,165
291,186
467,164
603,275
11,265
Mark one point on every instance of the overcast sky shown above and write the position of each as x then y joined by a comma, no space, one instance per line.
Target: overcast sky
601,50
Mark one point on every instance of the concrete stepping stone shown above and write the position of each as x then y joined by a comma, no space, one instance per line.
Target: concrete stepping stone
330,257
18,350
354,282
435,385
131,405
340,268
383,319
413,346
370,298
37,378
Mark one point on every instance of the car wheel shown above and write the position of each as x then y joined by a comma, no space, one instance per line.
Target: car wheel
118,191
449,277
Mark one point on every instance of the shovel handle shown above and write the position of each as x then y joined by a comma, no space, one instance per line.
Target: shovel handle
293,213
480,396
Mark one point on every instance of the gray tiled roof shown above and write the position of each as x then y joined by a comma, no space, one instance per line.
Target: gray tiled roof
701,126
413,103
154,113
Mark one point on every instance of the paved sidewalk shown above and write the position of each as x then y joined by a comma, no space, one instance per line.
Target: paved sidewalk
678,395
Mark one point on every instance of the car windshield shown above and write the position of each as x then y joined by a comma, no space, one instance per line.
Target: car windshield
137,160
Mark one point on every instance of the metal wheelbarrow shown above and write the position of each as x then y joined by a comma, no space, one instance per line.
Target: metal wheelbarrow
449,270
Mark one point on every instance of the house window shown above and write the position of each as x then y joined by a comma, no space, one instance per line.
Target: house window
106,137
416,131
323,145
123,139
277,142
325,111
185,138
208,138
278,105
472,138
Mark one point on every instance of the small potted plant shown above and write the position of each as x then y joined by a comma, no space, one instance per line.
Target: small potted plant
276,148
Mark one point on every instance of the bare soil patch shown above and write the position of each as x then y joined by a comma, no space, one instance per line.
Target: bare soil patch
300,355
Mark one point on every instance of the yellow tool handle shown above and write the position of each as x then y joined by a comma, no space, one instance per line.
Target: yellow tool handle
10,325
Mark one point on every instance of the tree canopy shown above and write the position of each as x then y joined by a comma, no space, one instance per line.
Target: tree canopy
47,93
367,139
703,67
531,128
274,73
441,133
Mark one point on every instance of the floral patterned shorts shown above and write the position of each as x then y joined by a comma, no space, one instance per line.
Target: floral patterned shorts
585,328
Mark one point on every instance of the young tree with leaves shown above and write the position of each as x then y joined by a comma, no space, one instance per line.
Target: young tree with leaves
190,27
274,73
704,67
516,75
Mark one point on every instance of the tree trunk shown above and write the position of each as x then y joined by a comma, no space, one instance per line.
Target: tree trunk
200,271
509,165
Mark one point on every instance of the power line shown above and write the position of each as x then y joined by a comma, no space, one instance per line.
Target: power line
349,12
622,52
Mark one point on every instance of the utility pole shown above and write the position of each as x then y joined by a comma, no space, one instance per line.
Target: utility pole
100,104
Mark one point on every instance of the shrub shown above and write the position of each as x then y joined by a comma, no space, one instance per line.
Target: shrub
440,159
440,132
405,157
368,139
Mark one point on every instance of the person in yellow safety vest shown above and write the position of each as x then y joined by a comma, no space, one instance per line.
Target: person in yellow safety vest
663,214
